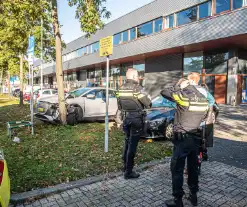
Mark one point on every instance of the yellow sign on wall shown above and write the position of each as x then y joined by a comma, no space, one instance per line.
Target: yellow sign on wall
106,46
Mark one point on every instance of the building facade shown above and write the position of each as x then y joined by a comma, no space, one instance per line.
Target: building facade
165,40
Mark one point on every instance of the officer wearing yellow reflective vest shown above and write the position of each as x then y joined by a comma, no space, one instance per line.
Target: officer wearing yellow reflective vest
192,107
132,99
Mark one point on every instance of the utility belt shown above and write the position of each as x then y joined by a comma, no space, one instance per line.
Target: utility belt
140,114
187,135
180,136
205,142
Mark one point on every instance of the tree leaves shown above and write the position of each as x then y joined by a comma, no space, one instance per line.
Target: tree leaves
90,14
18,20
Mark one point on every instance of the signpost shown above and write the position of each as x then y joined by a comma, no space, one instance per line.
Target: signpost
41,70
30,51
106,49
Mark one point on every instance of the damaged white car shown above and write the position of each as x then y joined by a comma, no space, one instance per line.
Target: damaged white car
82,104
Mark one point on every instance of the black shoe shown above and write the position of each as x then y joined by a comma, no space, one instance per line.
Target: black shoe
193,199
132,175
204,156
176,202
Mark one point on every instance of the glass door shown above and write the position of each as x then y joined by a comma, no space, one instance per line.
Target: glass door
114,76
124,68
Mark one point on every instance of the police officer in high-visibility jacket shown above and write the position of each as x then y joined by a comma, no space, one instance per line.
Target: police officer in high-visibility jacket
192,107
132,100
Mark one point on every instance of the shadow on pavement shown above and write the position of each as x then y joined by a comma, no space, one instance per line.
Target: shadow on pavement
232,121
230,152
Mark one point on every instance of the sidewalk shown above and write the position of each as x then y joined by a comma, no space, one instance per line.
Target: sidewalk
221,185
223,182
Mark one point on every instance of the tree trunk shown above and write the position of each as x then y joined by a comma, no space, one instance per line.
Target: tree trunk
21,79
59,69
1,82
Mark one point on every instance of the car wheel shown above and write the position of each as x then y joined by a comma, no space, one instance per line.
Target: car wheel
72,118
169,131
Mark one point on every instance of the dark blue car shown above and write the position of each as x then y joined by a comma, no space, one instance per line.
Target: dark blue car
159,119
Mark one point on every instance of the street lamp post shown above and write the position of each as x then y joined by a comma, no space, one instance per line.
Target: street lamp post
41,70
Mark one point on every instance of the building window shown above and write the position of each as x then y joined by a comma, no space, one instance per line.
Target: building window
193,62
84,50
69,77
74,76
216,63
114,76
132,33
91,74
65,77
145,29
158,24
98,77
95,47
140,67
222,5
125,36
205,10
117,39
187,16
89,49
80,52
169,21
239,3
124,68
73,54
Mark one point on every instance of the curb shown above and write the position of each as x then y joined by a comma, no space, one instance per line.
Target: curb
43,192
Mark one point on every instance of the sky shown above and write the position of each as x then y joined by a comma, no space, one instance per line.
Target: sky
71,27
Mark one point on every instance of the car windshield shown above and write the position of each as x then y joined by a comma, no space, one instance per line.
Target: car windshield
160,101
78,92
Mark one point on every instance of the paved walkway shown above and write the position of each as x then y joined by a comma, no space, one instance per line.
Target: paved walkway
230,146
223,182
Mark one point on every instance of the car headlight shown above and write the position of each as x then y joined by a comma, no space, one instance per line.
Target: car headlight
156,123
152,124
159,121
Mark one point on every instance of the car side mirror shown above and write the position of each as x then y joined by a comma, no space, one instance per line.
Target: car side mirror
91,96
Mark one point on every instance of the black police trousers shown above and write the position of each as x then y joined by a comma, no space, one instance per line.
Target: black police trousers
133,129
186,146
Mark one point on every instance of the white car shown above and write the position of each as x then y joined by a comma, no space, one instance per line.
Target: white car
82,104
45,93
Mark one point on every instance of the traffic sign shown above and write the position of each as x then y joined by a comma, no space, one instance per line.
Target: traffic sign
106,46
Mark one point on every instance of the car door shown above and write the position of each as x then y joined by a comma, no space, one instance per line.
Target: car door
113,106
95,107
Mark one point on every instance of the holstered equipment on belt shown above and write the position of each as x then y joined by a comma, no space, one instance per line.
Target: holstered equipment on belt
179,136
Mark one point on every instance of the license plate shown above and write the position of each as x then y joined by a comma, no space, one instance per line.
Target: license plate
40,110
